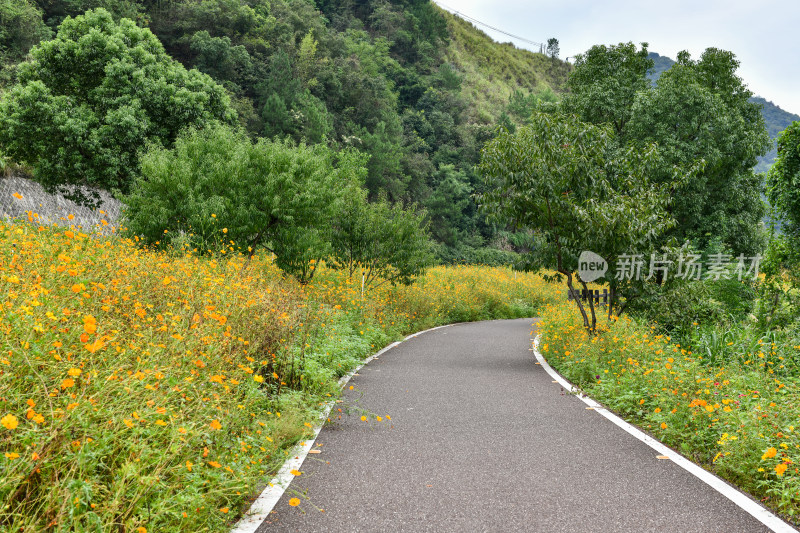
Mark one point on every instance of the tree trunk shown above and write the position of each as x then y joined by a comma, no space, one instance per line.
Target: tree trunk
577,298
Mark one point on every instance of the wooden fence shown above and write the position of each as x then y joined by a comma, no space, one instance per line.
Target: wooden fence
599,297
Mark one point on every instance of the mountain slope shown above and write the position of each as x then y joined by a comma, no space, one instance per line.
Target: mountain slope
493,71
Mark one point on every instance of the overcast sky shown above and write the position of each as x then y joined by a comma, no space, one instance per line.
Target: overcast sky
764,34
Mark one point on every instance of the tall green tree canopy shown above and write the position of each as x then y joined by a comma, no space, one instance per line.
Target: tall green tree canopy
783,179
605,83
697,110
92,97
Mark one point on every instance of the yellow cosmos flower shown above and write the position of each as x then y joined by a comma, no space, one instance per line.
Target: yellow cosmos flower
9,421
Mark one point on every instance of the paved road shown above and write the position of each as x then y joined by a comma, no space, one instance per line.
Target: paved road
481,439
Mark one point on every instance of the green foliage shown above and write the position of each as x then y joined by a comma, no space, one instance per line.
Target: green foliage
605,83
697,111
416,89
92,96
470,255
700,110
676,308
783,179
559,178
385,242
55,11
446,205
216,191
775,118
21,27
552,48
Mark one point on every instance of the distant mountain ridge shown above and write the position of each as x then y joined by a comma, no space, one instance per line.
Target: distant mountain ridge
775,118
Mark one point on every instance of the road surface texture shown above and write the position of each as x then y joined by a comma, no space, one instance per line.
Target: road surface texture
481,439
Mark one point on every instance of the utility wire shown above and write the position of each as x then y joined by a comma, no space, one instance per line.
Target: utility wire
462,15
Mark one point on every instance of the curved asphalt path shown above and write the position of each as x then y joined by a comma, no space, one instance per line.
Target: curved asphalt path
481,439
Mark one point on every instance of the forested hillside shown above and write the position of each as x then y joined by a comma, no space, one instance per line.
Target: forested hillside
409,84
775,118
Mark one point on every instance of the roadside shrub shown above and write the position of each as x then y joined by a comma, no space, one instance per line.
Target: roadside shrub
217,191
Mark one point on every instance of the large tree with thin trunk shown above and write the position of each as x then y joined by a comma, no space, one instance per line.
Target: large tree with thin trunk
562,179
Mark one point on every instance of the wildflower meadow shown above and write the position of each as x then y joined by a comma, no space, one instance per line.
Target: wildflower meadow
147,390
732,406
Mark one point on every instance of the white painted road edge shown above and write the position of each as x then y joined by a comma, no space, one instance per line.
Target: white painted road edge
266,501
739,498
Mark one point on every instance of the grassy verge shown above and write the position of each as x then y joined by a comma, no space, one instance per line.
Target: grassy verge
141,391
732,408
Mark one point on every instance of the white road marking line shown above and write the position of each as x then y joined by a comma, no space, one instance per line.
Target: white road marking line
743,501
266,501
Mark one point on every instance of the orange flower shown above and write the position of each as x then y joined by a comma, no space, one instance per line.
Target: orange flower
215,424
17,195
9,421
769,454
67,383
663,425
215,464
74,372
780,469
295,472
294,502
96,345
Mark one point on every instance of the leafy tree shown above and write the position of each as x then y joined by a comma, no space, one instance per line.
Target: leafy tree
697,111
220,59
701,110
55,11
605,83
552,48
384,242
560,179
21,27
783,179
447,204
783,254
216,190
90,98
